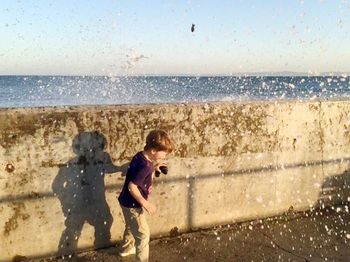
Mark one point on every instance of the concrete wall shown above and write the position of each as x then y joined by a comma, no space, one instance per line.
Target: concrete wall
232,162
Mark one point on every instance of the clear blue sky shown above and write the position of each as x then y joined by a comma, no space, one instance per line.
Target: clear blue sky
105,37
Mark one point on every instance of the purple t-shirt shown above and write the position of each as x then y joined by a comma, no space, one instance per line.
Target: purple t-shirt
140,173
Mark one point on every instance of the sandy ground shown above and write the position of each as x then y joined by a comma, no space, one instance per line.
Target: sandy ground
322,235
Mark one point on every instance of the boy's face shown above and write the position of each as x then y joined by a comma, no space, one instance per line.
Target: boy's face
158,155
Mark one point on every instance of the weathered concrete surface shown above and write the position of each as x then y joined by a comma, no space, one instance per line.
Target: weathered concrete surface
320,235
232,162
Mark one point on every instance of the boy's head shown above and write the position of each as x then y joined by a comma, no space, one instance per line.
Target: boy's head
159,144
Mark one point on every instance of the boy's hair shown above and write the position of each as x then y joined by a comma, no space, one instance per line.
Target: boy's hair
159,140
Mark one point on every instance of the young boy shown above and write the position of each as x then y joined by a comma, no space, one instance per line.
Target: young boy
134,195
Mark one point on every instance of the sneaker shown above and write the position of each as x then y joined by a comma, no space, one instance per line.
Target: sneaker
125,253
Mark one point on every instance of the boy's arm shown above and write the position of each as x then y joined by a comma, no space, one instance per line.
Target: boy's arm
135,192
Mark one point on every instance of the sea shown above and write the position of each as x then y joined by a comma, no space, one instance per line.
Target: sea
48,91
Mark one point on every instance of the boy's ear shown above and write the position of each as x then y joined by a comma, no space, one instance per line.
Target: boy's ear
153,151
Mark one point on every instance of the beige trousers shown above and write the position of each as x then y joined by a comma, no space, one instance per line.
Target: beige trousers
136,233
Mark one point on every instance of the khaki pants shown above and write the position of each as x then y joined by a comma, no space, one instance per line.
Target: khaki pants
136,232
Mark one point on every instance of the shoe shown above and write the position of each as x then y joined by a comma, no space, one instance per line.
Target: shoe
125,253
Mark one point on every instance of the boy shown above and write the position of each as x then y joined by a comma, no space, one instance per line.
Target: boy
134,195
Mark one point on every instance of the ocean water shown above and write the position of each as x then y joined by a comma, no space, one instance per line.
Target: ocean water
38,91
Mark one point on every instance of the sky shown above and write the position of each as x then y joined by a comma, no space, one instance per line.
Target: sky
129,37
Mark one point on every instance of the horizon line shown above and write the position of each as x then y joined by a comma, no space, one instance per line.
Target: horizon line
247,74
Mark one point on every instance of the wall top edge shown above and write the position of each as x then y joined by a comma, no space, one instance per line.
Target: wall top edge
81,108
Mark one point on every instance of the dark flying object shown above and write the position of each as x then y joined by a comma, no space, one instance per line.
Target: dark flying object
192,28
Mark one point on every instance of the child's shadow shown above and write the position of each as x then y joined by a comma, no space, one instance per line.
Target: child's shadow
80,188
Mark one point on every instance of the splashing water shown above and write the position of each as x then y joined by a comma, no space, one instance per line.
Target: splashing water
36,91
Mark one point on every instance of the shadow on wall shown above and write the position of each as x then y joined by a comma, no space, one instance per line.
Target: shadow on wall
80,188
335,191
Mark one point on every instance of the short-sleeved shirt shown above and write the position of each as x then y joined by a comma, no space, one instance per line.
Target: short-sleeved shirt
140,173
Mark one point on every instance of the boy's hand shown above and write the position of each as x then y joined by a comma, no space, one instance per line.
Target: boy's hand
157,165
150,208
150,190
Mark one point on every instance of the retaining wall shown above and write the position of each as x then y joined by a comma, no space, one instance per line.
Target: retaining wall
232,162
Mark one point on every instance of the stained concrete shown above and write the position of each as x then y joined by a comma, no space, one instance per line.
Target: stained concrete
232,162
